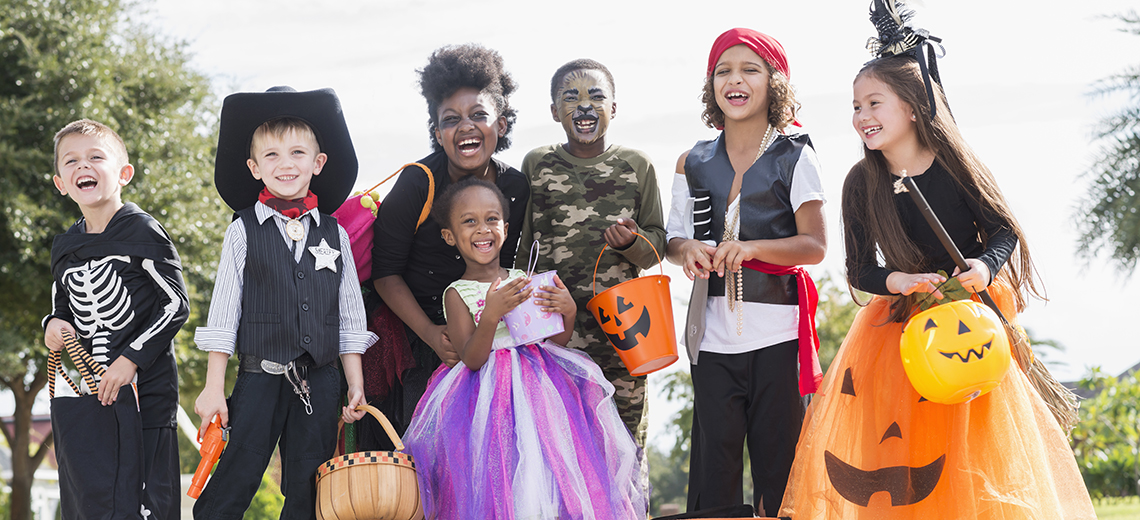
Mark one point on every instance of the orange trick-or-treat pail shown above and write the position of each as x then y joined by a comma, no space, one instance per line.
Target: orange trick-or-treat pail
637,317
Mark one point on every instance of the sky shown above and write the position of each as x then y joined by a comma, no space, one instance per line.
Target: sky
1018,75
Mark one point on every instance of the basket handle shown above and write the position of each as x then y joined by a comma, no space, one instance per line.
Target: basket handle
431,189
380,418
594,277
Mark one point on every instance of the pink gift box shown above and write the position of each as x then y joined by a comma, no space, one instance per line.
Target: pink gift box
527,322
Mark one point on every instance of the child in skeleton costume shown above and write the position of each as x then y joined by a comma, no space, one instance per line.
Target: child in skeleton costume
750,198
585,194
118,288
871,446
286,298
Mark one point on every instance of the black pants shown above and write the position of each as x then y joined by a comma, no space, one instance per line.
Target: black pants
400,403
753,396
265,412
162,494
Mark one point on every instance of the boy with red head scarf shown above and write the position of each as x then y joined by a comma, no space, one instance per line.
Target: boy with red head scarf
751,198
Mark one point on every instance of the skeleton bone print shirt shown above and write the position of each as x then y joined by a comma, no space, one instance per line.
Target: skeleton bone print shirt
122,290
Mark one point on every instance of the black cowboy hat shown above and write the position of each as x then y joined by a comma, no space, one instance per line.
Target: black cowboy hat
243,112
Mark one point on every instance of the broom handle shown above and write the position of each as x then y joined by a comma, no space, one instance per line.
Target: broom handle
944,237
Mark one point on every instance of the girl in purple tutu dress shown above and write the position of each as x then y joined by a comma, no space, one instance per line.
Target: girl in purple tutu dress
515,432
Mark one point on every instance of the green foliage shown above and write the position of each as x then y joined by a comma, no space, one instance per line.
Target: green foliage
65,60
1106,441
1107,218
670,482
268,501
678,387
834,316
1127,508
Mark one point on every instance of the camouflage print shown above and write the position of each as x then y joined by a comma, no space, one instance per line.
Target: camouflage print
573,201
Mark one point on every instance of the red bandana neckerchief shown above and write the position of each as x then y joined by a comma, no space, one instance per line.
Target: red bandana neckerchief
810,372
290,208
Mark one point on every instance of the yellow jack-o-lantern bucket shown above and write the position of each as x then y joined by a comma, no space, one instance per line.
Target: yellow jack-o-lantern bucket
637,317
955,352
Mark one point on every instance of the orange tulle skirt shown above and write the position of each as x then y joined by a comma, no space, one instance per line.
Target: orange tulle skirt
870,448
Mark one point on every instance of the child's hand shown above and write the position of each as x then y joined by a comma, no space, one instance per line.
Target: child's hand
53,333
555,298
211,403
120,373
621,235
905,283
977,278
696,258
355,398
501,299
440,342
729,255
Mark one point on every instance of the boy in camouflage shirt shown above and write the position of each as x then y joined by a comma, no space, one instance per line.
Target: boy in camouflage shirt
586,194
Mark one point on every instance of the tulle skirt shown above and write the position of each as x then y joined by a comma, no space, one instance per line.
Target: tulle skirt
870,449
532,434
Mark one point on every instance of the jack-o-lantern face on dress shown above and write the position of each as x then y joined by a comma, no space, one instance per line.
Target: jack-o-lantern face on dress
624,326
955,352
872,449
905,484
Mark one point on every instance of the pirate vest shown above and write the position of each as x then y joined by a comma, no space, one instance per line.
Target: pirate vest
288,308
765,206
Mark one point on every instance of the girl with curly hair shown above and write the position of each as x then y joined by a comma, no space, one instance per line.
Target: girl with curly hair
751,199
469,120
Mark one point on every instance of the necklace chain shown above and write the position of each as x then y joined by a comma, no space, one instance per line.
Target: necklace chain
765,143
735,280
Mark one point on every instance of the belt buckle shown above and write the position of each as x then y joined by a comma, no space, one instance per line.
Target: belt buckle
271,367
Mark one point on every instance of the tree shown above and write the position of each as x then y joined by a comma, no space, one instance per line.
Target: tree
62,60
1106,441
1108,219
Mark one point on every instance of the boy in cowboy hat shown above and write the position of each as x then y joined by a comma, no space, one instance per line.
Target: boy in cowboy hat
286,297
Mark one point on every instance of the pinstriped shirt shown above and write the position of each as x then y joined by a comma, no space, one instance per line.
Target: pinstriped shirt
220,332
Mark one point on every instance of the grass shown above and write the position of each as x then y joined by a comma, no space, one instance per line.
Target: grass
1127,508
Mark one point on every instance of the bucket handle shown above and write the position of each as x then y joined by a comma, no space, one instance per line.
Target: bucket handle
594,278
380,418
431,190
532,261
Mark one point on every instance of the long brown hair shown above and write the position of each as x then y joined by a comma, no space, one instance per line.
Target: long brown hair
868,196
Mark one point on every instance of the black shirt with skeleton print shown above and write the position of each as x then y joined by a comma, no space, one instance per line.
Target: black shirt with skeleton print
122,290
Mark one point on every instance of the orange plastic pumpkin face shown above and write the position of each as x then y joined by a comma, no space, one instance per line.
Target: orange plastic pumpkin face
625,325
955,352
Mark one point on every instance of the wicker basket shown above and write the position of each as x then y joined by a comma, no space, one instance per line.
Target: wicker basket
370,485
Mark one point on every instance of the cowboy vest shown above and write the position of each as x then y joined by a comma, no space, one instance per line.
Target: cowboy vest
765,206
288,308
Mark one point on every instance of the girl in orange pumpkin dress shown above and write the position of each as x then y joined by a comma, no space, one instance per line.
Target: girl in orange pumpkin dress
870,446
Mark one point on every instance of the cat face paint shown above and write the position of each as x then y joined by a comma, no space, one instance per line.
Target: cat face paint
584,105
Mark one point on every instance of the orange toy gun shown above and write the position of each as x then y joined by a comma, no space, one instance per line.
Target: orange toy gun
212,445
